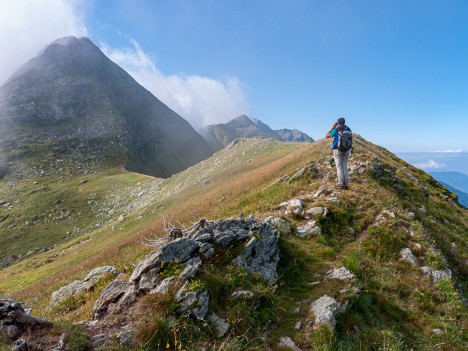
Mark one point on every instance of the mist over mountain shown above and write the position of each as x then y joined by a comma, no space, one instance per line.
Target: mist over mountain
220,135
72,94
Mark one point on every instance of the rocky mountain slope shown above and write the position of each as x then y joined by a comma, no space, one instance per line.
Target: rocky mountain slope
220,135
71,97
382,266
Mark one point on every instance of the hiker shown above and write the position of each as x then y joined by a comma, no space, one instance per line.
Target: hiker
342,144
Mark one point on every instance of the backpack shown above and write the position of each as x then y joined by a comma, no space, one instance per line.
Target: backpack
345,138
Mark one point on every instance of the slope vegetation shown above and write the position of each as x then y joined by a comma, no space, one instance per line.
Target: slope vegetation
397,234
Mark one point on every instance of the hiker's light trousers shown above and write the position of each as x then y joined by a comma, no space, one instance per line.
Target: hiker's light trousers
341,162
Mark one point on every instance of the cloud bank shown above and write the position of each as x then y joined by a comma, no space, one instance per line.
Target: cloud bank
200,100
27,26
429,164
449,151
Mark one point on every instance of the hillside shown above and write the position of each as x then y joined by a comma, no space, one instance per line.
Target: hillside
389,254
462,196
220,135
71,98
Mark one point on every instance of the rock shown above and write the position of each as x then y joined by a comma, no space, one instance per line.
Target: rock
407,255
99,273
164,286
9,332
280,224
294,205
21,345
339,273
315,211
334,200
192,303
325,309
111,294
286,341
242,294
80,287
220,325
321,192
261,253
436,275
178,251
66,291
193,265
297,175
149,280
437,331
308,229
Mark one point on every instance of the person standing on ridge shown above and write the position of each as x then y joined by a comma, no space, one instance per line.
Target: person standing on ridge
342,144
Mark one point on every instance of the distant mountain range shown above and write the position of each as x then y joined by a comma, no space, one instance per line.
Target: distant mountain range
456,182
72,94
220,135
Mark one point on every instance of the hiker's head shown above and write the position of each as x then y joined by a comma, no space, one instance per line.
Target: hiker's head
341,120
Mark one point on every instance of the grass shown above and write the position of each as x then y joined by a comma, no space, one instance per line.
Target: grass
390,305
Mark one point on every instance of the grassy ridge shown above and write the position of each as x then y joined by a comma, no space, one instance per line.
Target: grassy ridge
391,305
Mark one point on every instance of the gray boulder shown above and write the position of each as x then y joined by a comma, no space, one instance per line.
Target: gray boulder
308,229
261,253
193,265
74,288
325,309
178,251
407,255
111,294
149,280
192,303
436,275
280,224
97,274
220,325
79,287
340,273
164,286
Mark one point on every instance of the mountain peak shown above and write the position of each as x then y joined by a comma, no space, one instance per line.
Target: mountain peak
243,126
71,90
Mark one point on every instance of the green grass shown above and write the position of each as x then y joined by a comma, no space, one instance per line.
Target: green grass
390,305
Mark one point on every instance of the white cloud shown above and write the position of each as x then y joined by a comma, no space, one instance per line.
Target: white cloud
450,151
429,164
26,26
200,100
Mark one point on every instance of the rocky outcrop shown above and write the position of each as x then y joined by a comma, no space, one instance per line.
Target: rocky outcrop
325,309
184,256
79,287
15,320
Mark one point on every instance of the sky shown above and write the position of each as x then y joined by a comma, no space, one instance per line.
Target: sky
396,70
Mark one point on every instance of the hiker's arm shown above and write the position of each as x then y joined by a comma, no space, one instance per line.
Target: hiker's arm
333,127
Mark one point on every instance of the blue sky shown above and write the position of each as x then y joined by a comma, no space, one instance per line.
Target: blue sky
397,70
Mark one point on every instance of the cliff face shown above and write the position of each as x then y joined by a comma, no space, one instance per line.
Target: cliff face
71,91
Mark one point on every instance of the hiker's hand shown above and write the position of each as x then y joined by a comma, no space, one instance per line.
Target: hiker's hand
334,125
